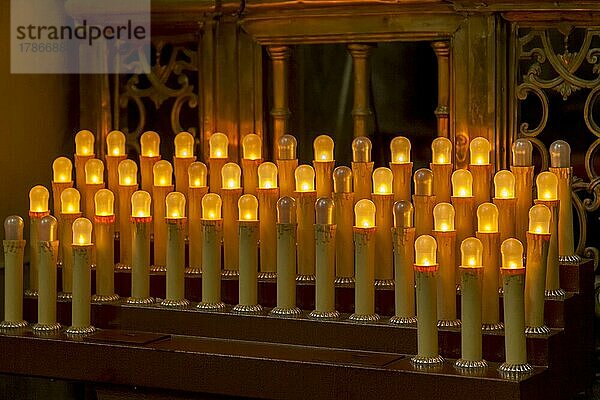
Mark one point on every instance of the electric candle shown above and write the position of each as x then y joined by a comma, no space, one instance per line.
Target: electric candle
470,304
306,196
248,255
267,193
140,264
38,209
547,189
231,191
505,200
323,163
441,166
513,282
212,233
94,181
481,169
48,247
286,164
128,184
163,185
218,151
286,258
404,259
197,174
84,151
325,259
104,222
14,249
401,167
82,290
464,203
423,200
362,167
487,233
115,144
175,219
69,212
364,262
150,146
343,197
522,168
445,235
61,180
384,201
560,165
426,268
184,156
538,238
251,159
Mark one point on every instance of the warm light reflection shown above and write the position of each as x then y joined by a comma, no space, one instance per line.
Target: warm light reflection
70,201
197,173
480,151
504,184
82,232
218,144
248,208
512,254
128,170
323,148
184,145
462,183
150,144
252,147
62,170
211,206
38,199
471,250
382,180
140,204
400,149
425,251
84,143
441,150
162,172
443,217
115,143
267,175
94,171
175,205
364,214
305,178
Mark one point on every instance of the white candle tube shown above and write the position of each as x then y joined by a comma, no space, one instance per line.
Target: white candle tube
180,168
482,182
566,240
427,331
491,264
14,249
195,195
82,290
507,210
361,175
267,209
446,287
306,234
343,197
248,255
250,175
364,286
442,174
384,269
159,194
402,179
324,177
67,251
423,214
535,282
105,259
146,166
112,169
553,289
80,161
175,294
404,285
87,198
470,332
465,210
230,231
524,191
140,264
285,176
214,174
212,234
35,219
124,194
48,247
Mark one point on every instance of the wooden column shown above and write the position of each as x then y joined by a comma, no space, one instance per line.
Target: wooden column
442,52
360,112
280,113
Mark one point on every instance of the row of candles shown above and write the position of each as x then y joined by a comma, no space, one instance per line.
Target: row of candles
372,228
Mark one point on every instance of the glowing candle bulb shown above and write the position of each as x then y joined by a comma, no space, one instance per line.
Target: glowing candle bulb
441,150
94,171
471,250
82,232
231,174
69,201
84,143
197,173
211,206
425,251
62,169
504,184
539,219
218,145
184,145
175,205
286,147
382,180
128,170
115,143
38,199
400,149
547,186
462,183
560,154
364,214
480,151
150,144
361,149
252,147
140,204
305,178
267,175
323,148
522,151
104,200
248,207
512,254
487,218
163,173
443,217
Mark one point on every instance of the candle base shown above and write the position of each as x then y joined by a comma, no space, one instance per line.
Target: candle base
230,273
401,321
220,306
65,296
193,271
122,267
497,326
13,324
80,330
515,370
555,294
537,330
45,328
140,300
364,318
470,364
384,283
173,303
267,275
285,312
31,293
572,259
244,309
424,361
344,280
101,298
448,323
324,314
305,278
158,268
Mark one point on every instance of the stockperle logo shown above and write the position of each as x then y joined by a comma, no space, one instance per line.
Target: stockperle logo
80,36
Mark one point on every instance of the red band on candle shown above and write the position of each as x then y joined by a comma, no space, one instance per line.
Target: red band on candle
105,219
38,214
141,220
512,271
426,268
